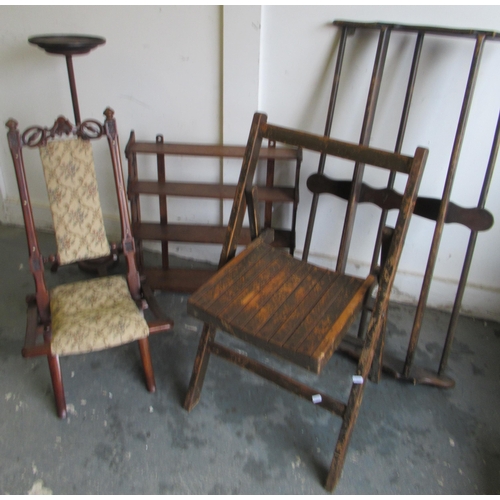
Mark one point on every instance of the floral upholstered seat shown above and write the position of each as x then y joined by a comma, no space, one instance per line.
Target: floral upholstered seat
94,315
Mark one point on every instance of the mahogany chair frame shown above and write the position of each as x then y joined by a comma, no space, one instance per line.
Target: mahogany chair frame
232,269
38,330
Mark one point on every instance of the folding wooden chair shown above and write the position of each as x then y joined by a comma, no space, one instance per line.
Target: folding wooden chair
88,315
291,308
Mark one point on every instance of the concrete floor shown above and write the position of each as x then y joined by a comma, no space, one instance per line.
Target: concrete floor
246,436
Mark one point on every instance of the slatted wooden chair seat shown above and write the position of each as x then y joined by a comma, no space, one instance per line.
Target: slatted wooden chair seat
89,315
295,309
283,305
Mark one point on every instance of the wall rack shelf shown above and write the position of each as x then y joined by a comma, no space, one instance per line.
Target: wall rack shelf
165,231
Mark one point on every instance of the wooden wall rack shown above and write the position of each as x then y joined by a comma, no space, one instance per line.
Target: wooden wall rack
476,219
188,280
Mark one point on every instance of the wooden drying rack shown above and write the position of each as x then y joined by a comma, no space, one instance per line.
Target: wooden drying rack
442,210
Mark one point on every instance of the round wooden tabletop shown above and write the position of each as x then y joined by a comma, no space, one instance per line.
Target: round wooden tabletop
67,44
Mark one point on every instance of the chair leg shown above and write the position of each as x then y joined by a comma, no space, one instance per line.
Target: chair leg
199,368
147,364
365,312
57,384
377,364
372,342
345,433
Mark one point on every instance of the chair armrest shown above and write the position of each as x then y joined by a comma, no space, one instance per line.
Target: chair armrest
33,331
161,323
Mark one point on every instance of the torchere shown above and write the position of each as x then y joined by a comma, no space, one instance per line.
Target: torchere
68,45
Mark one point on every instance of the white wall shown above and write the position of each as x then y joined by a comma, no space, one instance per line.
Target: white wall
196,74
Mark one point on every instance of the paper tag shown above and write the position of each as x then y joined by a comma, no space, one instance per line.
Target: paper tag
357,379
317,399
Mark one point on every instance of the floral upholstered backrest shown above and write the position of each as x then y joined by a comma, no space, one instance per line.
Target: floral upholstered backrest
68,167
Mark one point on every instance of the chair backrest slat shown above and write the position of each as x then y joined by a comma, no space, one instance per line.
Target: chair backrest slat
355,189
340,149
